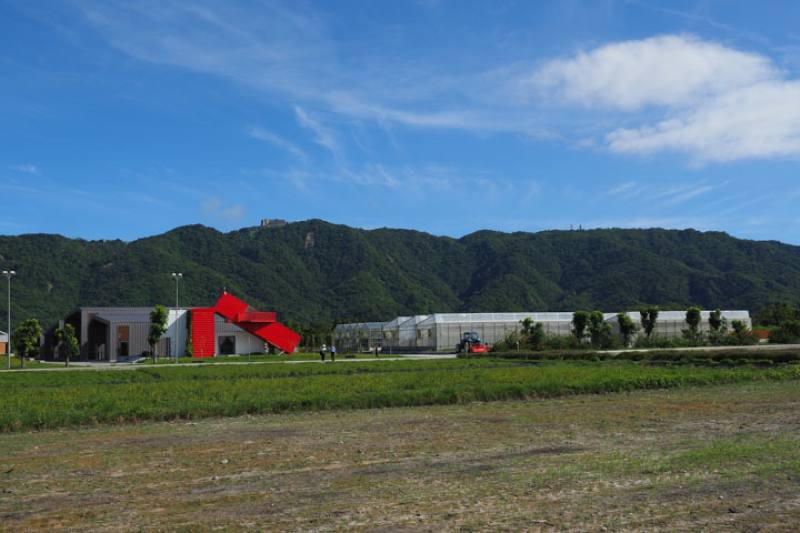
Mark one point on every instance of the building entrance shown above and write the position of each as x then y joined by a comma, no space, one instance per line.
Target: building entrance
227,345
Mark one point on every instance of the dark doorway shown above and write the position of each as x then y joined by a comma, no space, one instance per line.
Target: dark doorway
97,343
227,345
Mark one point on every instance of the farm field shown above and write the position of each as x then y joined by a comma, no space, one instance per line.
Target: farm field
301,356
715,458
40,400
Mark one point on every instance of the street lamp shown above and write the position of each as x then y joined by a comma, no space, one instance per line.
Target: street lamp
8,274
177,276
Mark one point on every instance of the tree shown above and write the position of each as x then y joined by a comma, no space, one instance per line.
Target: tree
580,319
693,316
717,326
777,314
26,339
715,320
627,328
649,316
599,329
67,342
788,332
158,326
532,333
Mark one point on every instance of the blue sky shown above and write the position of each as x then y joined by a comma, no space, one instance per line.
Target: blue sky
121,120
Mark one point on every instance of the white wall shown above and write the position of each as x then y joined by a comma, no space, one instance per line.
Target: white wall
245,342
176,330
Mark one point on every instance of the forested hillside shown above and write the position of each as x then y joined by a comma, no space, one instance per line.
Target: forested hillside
316,271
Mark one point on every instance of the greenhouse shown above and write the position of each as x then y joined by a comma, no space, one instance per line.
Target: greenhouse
670,324
443,331
358,337
391,332
409,331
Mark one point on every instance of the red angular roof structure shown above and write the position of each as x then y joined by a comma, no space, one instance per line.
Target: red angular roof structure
262,324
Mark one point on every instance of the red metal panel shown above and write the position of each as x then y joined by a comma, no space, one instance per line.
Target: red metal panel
203,334
276,334
229,306
257,316
262,324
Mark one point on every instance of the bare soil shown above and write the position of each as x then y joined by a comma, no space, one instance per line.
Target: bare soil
720,458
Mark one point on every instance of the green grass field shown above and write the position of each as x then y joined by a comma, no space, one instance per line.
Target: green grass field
38,400
252,358
737,355
29,363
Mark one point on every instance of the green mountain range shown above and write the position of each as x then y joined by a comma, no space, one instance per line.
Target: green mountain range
314,271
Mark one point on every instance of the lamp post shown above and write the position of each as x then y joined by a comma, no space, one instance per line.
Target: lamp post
177,276
8,274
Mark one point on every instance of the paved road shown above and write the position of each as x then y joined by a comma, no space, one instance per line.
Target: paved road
86,366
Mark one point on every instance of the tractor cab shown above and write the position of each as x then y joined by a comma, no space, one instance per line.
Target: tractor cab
471,343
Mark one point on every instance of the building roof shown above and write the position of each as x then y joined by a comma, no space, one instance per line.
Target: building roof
455,318
413,321
396,322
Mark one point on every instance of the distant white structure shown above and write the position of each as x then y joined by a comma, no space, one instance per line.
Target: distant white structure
443,331
272,222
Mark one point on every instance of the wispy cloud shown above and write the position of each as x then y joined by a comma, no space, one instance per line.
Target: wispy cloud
27,168
661,195
279,142
323,136
216,208
675,93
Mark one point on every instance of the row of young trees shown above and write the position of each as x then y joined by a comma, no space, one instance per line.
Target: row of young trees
591,326
26,341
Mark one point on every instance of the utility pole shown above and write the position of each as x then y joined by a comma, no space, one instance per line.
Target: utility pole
8,274
177,276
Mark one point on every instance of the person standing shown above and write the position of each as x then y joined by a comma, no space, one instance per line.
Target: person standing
322,352
333,353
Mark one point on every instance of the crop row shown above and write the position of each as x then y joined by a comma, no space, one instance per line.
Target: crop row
225,391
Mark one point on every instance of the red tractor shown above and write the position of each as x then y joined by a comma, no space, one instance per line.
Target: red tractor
471,343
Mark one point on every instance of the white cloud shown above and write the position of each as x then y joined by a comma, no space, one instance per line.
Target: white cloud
268,137
27,168
718,104
762,120
674,92
669,70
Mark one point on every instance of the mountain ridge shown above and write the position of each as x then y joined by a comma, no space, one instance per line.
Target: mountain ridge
317,271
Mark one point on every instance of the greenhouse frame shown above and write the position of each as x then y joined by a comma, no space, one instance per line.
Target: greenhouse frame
358,337
443,331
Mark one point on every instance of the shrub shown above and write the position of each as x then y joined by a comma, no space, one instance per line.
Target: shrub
787,332
627,328
693,316
580,320
649,316
599,330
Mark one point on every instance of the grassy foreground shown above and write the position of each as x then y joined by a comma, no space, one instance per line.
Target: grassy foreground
55,399
716,458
